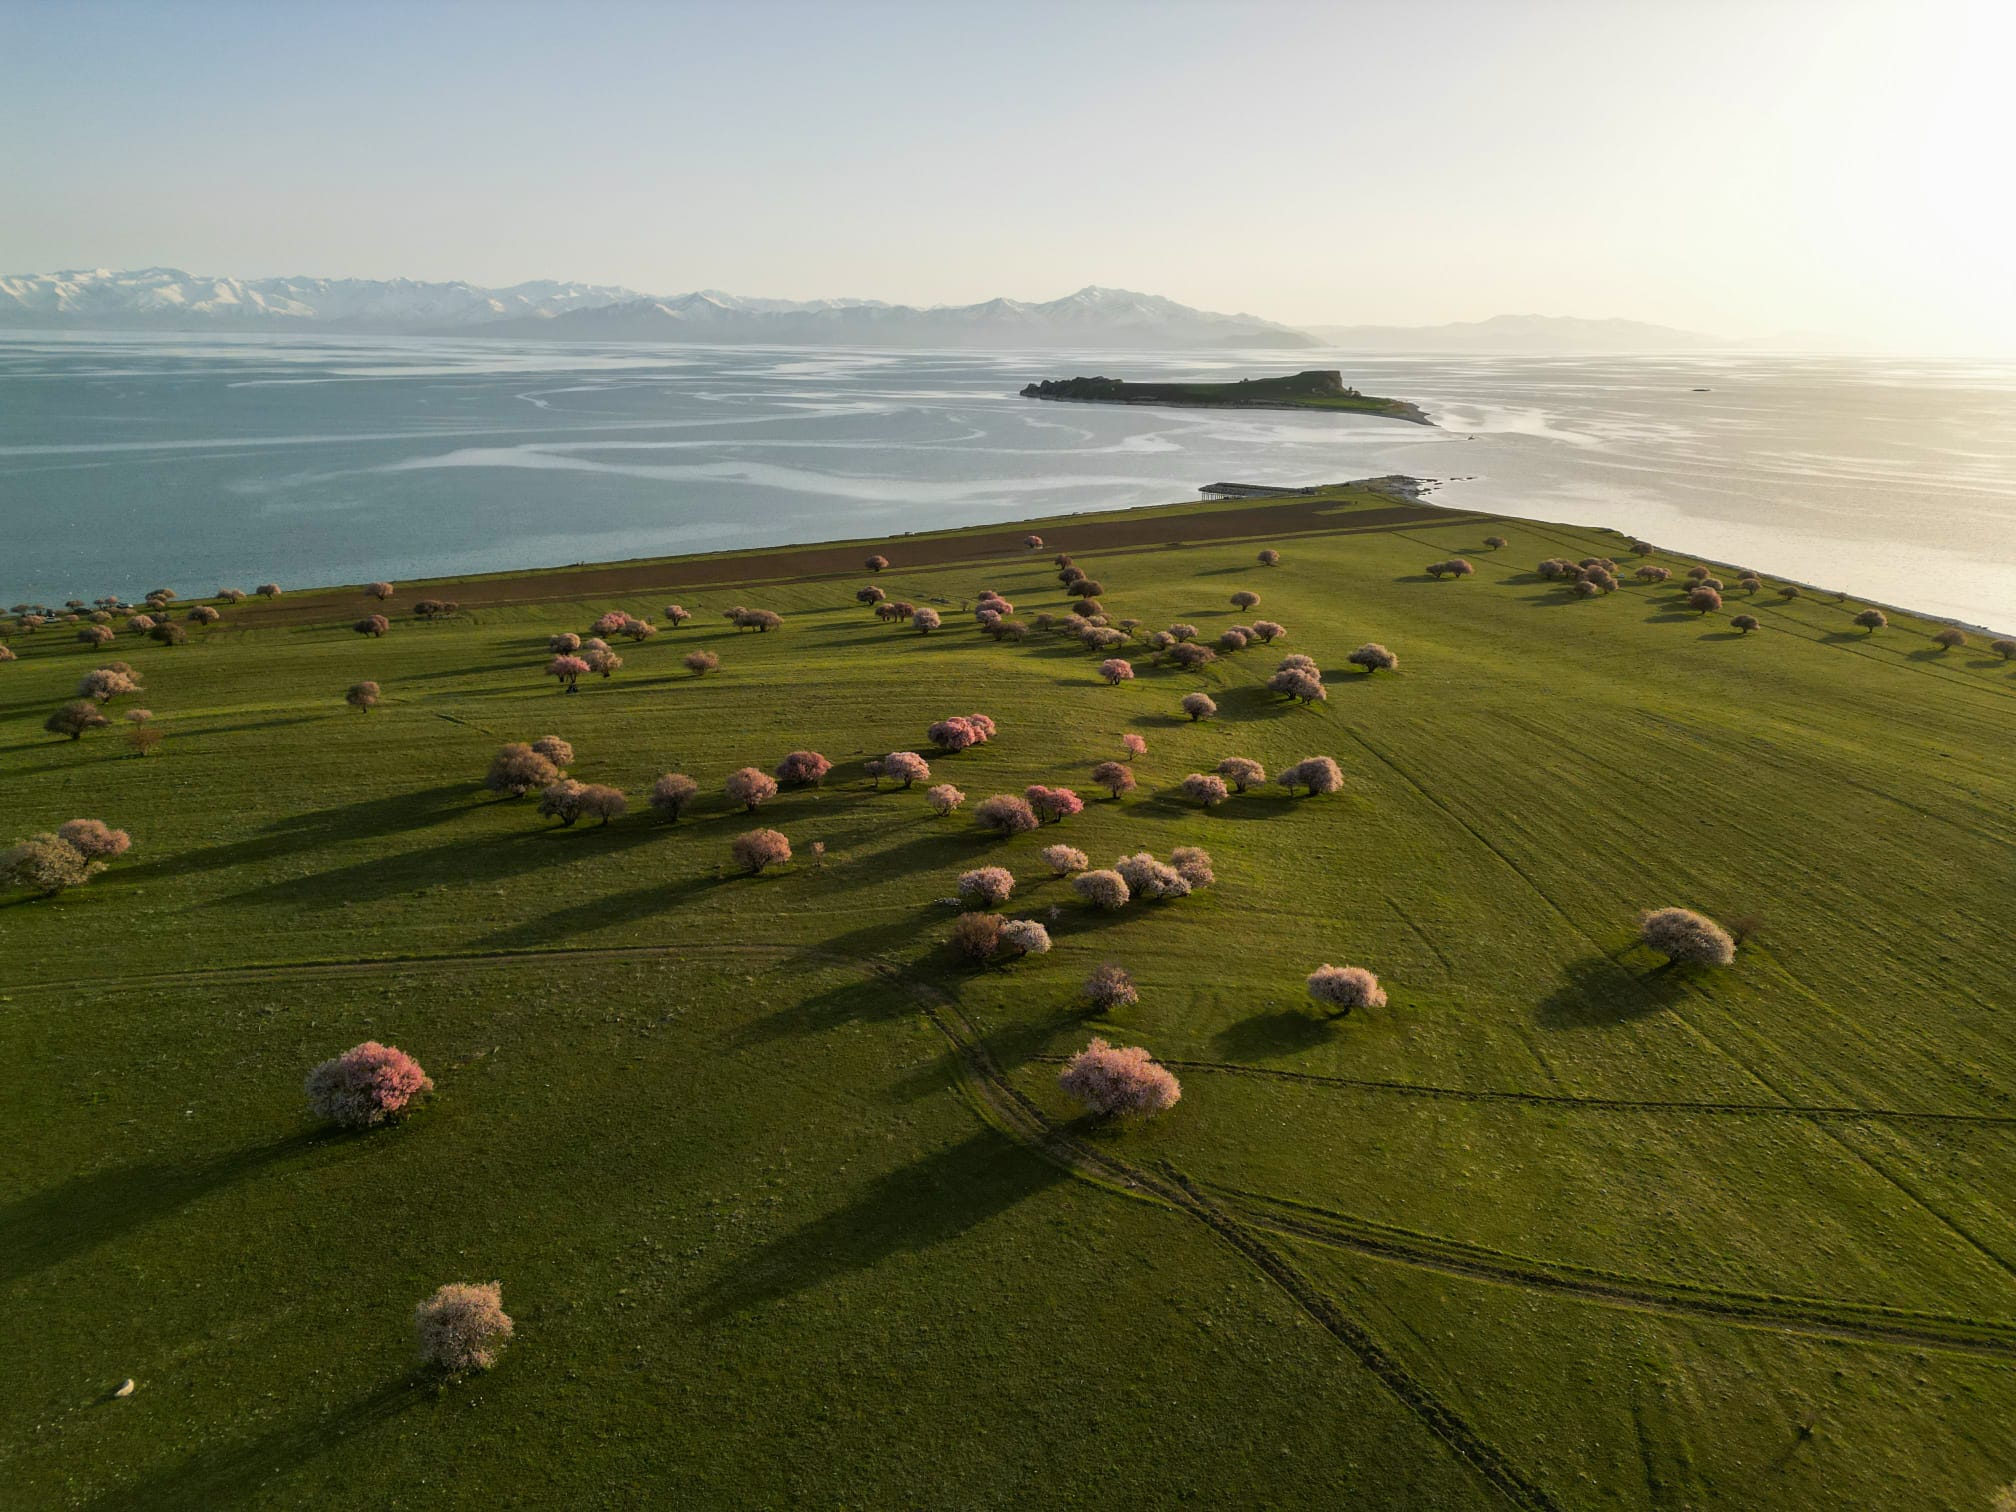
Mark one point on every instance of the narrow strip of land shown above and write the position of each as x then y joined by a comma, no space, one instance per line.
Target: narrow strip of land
1328,513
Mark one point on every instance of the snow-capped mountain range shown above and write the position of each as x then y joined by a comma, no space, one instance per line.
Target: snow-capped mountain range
168,299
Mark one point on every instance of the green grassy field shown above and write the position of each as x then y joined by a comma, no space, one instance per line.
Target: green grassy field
785,1199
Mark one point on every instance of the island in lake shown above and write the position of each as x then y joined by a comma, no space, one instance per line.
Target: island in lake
1318,389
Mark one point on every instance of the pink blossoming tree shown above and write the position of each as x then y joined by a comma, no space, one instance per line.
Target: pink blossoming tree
366,1086
1117,1082
1342,988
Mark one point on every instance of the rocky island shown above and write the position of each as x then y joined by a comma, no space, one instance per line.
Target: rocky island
1317,389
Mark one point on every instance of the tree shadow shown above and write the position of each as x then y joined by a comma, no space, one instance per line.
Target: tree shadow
958,843
39,742
480,669
1254,804
1057,646
30,706
1269,1036
49,1227
1722,635
278,721
1081,918
1170,803
238,1473
869,1001
1597,992
1009,1046
17,773
364,819
463,861
933,1201
887,938
1251,701
843,779
600,913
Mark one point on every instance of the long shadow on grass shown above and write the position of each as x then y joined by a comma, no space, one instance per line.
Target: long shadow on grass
1597,992
1245,701
237,1474
39,742
49,1227
479,669
71,764
1269,1036
1081,918
364,819
931,1202
603,913
278,721
1009,1045
1063,650
841,841
1255,804
460,861
956,844
1251,804
1165,806
885,936
854,1002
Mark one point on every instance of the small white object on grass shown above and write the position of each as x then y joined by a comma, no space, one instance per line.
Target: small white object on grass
125,1388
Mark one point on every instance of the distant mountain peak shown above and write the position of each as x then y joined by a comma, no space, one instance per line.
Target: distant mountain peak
170,298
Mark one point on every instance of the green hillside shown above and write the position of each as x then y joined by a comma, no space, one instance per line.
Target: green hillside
785,1199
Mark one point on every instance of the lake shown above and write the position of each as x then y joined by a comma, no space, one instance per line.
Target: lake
129,462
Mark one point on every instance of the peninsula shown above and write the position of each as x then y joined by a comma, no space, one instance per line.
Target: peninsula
648,1069
1317,389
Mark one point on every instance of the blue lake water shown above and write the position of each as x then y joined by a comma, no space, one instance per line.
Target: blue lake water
133,462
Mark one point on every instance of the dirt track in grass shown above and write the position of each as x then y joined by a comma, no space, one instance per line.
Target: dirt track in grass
1256,520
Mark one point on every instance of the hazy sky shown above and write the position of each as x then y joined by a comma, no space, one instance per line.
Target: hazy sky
1742,168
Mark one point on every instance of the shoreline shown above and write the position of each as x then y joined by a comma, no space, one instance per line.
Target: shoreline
1820,591
1298,510
1414,415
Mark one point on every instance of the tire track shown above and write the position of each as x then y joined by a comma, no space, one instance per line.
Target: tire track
1011,1111
1855,1322
1809,1111
1027,1122
1533,885
280,970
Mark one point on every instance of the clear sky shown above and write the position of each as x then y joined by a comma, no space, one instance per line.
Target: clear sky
1742,168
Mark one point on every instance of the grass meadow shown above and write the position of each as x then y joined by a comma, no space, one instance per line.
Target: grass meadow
785,1199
